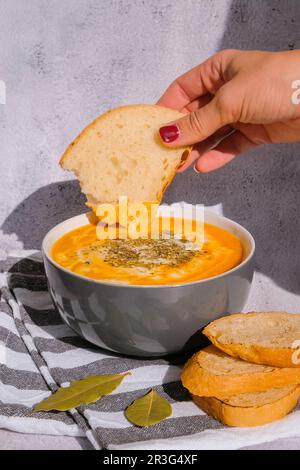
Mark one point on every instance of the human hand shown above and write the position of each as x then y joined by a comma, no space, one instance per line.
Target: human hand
234,100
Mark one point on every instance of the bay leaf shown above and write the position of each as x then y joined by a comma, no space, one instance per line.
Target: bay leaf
148,410
87,390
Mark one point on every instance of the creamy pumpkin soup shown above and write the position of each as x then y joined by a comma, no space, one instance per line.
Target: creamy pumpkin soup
147,261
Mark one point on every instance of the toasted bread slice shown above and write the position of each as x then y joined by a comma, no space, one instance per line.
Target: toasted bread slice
121,154
213,373
270,338
251,409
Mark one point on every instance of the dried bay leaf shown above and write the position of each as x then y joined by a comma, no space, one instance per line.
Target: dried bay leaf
87,390
148,410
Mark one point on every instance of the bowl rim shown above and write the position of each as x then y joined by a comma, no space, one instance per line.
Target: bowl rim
154,286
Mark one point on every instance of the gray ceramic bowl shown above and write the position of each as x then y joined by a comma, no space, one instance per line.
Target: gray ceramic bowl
146,320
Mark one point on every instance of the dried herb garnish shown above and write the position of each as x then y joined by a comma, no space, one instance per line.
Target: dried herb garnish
140,253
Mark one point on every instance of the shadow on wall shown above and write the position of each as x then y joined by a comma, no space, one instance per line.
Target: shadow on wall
259,189
43,209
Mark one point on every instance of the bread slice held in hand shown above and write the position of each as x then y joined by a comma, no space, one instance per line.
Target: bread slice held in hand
213,373
121,154
251,409
270,338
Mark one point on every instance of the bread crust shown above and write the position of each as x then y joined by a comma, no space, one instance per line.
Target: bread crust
185,150
256,353
248,416
202,382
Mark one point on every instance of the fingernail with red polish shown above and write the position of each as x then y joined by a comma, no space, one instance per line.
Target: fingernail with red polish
169,133
196,169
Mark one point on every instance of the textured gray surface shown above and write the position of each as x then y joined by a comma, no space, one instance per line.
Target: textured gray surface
66,62
18,441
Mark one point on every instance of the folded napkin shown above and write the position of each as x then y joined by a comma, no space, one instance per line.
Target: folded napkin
39,353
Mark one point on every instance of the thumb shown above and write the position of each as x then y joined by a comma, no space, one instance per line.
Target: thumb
196,126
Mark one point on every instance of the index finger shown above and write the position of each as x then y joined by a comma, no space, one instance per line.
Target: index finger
202,79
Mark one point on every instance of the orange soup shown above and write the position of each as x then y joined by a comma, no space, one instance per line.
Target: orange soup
147,261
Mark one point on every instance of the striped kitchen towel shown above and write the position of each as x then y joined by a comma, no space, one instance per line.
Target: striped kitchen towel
38,353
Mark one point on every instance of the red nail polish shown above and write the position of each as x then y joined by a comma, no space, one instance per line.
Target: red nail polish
169,133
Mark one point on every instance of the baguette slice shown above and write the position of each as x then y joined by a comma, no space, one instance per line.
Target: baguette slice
270,338
251,409
121,154
212,373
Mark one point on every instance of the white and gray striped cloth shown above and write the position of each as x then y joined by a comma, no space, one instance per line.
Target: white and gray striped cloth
38,353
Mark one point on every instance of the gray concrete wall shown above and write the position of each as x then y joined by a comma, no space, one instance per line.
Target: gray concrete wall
66,61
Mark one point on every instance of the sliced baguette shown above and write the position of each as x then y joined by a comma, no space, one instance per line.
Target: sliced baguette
251,409
213,373
263,338
121,154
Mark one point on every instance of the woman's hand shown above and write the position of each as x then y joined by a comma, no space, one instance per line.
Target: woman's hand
235,100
